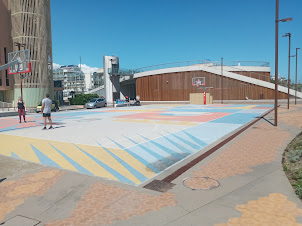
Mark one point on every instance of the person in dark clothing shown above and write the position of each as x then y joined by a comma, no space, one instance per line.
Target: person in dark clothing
21,108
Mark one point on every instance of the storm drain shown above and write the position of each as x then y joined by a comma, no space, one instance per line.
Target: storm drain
2,179
159,185
20,220
200,183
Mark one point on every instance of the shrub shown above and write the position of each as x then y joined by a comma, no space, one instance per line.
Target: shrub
81,99
297,175
299,190
294,155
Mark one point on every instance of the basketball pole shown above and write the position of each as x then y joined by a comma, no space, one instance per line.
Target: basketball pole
221,80
19,48
204,96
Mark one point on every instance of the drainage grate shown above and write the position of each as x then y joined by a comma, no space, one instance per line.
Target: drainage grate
200,183
20,220
159,185
1,180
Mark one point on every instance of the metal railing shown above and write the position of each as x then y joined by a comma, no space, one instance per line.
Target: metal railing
123,71
239,70
205,62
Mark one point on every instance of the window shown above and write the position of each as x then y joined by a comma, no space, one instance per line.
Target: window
0,78
5,56
6,78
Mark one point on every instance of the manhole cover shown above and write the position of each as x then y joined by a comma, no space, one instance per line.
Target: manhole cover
200,183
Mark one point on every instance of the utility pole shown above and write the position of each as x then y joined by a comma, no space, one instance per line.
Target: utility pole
276,62
19,48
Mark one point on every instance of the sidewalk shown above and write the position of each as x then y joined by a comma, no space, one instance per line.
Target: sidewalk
71,107
242,183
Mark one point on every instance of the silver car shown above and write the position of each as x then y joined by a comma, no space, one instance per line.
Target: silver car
96,103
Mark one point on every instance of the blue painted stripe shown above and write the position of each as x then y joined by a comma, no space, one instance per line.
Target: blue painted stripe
196,147
180,147
76,165
134,172
43,158
198,141
238,118
116,174
14,127
14,155
137,157
166,161
168,150
209,110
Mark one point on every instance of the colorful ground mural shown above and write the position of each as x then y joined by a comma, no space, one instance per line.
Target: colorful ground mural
130,145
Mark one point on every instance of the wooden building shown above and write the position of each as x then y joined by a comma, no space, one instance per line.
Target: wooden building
175,84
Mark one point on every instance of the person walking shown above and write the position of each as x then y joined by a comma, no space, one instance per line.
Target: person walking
46,111
21,108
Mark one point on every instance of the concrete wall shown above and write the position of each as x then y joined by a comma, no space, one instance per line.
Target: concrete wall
5,42
107,80
101,91
128,90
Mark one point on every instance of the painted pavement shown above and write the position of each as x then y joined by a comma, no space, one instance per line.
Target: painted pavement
130,145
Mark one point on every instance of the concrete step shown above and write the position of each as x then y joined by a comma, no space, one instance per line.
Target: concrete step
5,109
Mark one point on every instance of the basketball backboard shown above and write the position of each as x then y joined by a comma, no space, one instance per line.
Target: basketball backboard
198,81
23,65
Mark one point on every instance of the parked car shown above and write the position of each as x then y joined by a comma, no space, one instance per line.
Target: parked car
54,107
96,103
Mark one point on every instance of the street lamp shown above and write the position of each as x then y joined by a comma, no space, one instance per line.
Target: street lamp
296,75
286,19
289,35
276,57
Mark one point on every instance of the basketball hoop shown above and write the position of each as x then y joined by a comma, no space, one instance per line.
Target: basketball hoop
200,81
20,70
23,65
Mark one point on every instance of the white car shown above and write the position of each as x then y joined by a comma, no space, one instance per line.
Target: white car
96,103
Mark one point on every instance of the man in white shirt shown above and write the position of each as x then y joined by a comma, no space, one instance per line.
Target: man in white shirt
46,110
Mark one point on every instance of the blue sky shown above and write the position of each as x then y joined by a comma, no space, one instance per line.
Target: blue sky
144,33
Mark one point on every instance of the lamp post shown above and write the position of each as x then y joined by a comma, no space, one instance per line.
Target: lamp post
288,79
276,57
296,75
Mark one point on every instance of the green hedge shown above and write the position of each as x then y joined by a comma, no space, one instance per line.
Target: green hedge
81,99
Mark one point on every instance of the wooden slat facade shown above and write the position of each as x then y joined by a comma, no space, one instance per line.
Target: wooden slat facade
178,86
261,75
